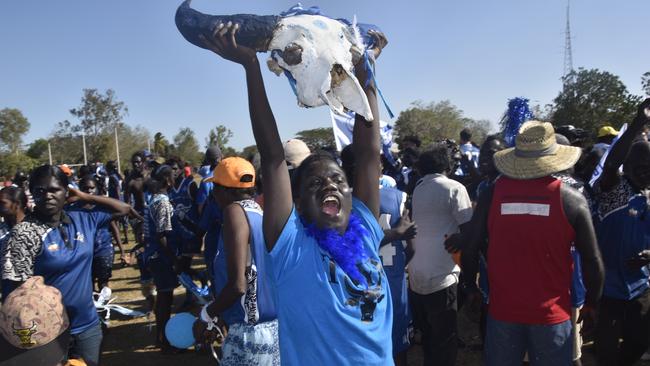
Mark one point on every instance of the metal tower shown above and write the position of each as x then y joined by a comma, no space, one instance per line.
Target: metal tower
568,55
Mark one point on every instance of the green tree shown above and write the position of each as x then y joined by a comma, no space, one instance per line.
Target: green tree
318,138
98,115
186,147
13,126
38,150
645,83
131,139
220,136
437,121
160,144
249,151
593,98
11,162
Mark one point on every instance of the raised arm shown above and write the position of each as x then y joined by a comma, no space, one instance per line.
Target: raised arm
116,207
619,151
367,144
277,186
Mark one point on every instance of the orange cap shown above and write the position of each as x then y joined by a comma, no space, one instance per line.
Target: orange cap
65,169
234,172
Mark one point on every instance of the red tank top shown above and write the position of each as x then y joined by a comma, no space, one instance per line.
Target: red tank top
529,252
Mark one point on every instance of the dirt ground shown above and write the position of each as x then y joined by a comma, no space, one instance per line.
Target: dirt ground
131,341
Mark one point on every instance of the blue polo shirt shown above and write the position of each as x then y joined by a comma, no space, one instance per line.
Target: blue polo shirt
66,264
325,318
103,238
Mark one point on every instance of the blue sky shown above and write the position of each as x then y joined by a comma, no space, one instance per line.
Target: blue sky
476,53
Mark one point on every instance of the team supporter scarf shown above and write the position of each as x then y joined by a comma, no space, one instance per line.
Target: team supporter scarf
346,250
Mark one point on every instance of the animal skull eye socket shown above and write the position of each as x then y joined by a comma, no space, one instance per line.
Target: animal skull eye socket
292,54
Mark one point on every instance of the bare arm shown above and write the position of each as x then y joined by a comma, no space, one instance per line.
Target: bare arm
619,151
366,149
115,232
277,186
367,144
116,207
593,273
236,234
473,238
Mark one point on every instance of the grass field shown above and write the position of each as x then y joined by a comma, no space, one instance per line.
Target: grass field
131,341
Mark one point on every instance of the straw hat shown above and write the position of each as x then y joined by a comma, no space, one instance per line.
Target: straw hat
536,153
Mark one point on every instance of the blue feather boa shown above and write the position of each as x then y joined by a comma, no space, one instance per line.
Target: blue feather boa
346,250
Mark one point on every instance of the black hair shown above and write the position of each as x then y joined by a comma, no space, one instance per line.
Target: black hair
139,154
85,170
493,137
466,134
300,171
47,171
16,195
434,160
239,194
162,173
414,139
88,178
175,160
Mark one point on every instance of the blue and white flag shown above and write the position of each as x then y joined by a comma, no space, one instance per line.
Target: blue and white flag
343,126
601,164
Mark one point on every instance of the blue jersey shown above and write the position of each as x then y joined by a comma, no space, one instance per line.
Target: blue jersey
256,305
184,207
205,189
160,219
472,152
393,257
103,237
66,265
114,186
623,231
210,223
326,318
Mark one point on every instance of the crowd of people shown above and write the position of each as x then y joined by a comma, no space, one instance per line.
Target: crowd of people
316,258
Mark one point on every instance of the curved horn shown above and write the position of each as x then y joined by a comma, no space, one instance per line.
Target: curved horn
255,31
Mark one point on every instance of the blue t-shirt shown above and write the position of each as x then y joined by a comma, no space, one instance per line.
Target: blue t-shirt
103,238
472,152
67,266
393,258
184,207
210,223
623,231
324,318
205,189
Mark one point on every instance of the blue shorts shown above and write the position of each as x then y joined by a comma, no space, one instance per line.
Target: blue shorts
103,267
145,273
163,273
191,246
507,343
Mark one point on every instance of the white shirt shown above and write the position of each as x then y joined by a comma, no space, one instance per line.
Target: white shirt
440,205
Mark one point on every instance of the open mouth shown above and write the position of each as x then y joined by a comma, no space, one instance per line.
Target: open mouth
331,206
